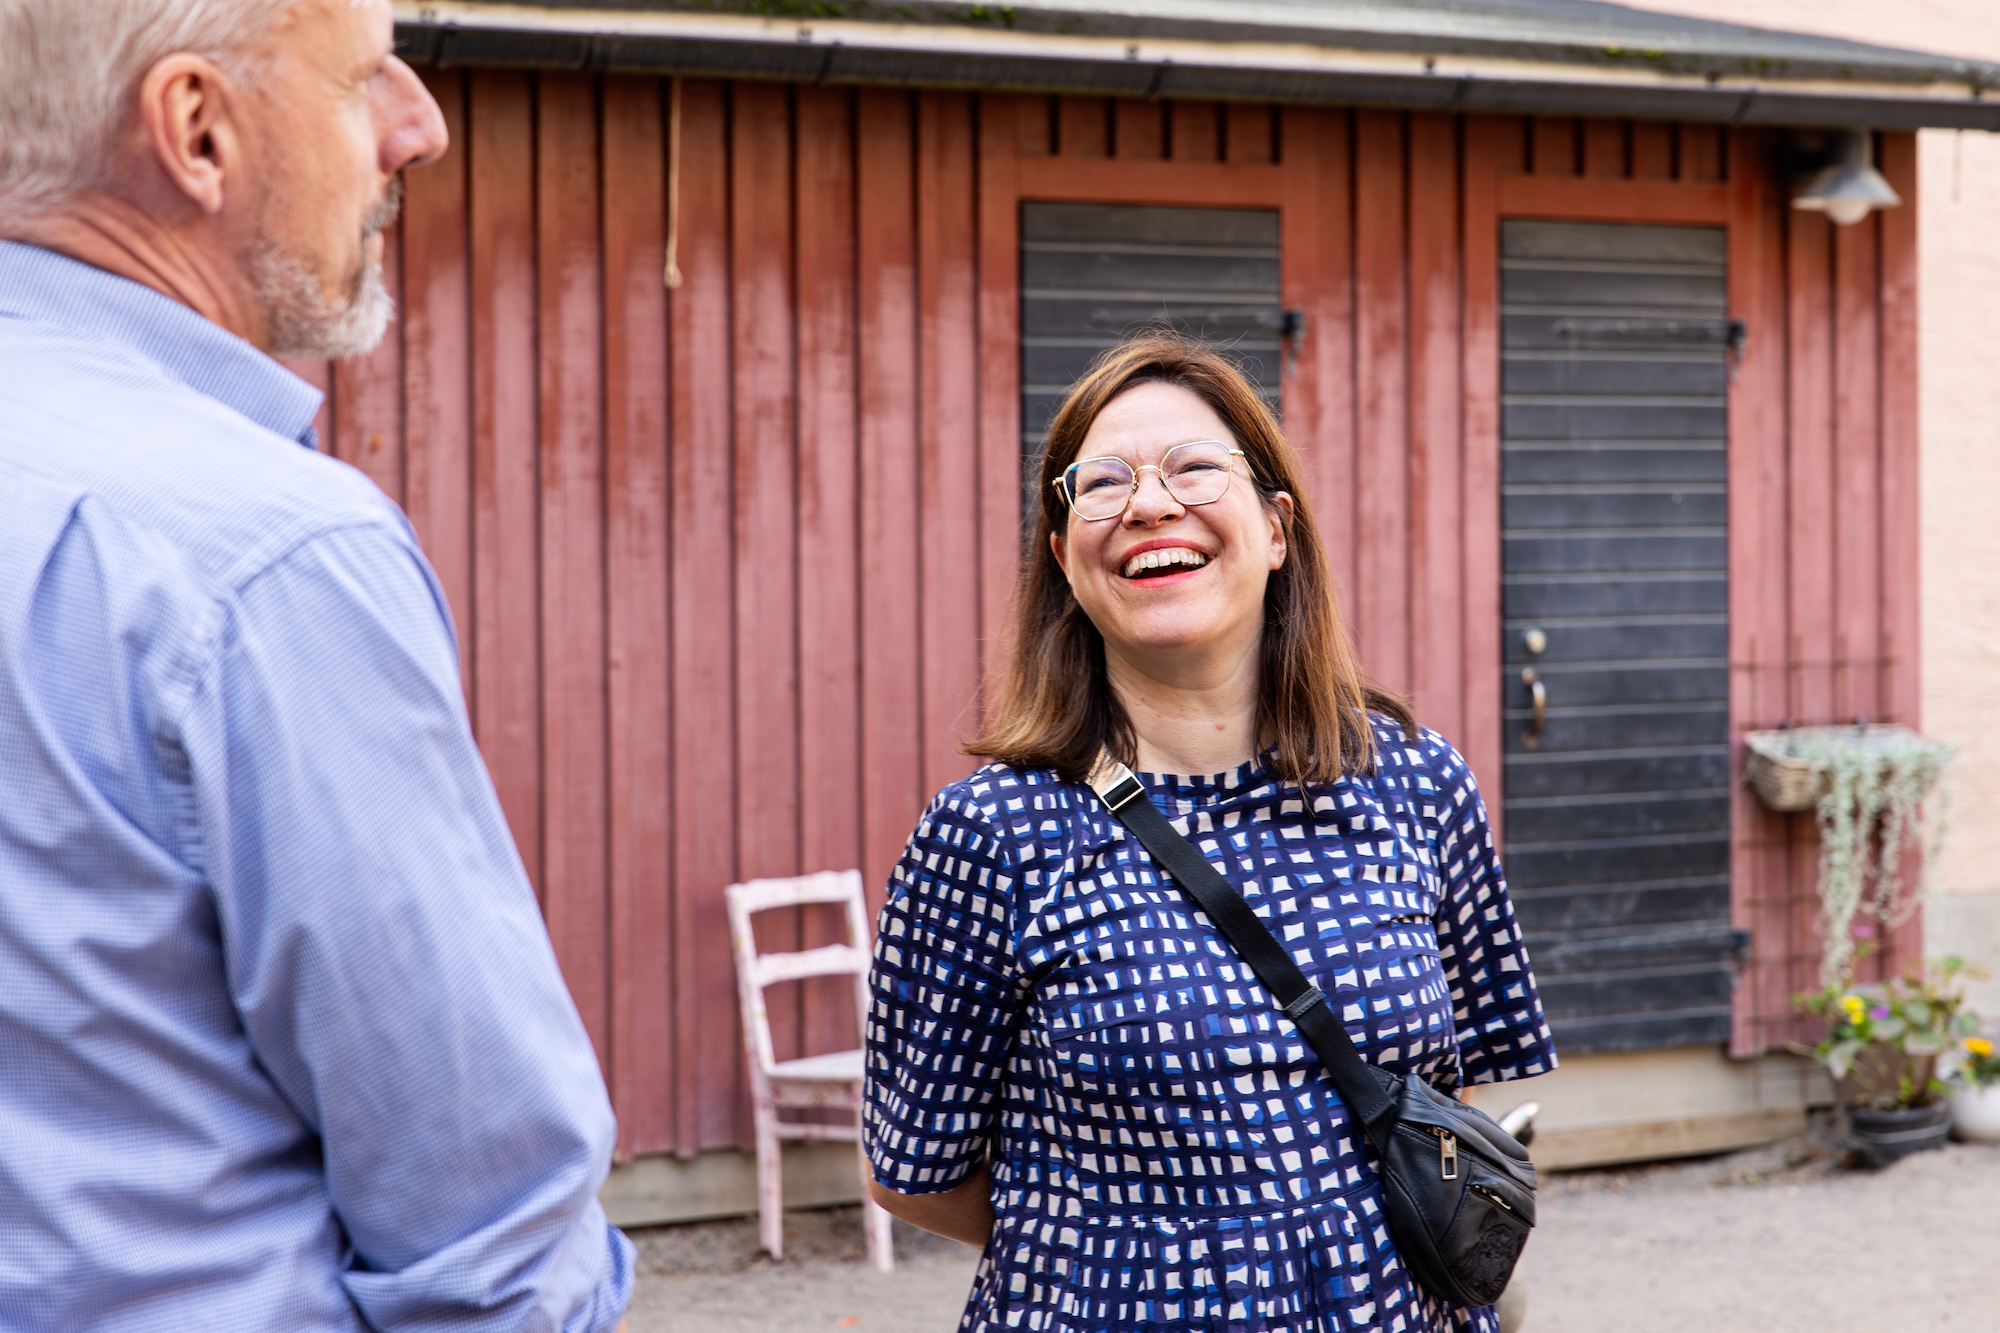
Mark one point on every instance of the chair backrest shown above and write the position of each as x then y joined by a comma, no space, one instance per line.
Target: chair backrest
755,971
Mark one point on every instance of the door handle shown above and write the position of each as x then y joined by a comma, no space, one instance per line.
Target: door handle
1538,694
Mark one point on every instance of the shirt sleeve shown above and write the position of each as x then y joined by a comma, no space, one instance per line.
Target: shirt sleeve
945,1004
386,954
1502,1032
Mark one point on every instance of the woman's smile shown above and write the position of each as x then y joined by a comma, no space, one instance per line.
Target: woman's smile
1160,563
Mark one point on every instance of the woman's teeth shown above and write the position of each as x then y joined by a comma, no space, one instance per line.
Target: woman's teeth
1165,558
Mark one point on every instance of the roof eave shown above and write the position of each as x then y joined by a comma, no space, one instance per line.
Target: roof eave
935,56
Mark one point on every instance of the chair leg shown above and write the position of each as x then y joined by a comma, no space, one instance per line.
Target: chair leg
876,1223
770,1182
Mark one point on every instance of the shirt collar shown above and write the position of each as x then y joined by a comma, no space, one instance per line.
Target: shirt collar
43,285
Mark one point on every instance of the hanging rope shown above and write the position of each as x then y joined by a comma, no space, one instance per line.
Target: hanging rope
673,273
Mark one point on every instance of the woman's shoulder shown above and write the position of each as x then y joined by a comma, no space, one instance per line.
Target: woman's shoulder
1007,833
1008,804
995,786
1422,760
1410,749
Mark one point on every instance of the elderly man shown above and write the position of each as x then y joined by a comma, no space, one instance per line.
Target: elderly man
282,1040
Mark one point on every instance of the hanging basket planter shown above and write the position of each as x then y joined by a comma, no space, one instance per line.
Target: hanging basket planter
1784,781
1867,786
1791,770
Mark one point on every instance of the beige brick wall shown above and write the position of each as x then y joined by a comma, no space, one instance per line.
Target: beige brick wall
1959,357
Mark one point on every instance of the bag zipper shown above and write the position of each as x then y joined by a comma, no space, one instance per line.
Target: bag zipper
1447,1151
1493,1195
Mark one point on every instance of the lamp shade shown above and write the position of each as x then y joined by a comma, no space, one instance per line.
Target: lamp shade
1848,187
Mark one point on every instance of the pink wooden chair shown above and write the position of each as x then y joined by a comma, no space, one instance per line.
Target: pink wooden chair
829,1080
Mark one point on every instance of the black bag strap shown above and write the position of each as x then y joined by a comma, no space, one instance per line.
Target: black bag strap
1369,1092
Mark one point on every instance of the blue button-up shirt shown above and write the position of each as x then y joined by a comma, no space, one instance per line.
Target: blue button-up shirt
282,1040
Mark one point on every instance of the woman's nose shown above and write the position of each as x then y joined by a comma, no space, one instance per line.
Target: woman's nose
1151,501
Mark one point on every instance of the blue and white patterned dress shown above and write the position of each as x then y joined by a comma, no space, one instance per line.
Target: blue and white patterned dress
1167,1152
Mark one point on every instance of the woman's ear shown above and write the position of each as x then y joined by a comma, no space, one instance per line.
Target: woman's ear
1279,512
1062,555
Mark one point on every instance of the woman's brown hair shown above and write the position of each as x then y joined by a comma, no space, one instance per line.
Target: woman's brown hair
1055,707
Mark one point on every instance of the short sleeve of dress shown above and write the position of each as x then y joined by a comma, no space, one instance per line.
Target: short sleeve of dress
1502,1032
945,1003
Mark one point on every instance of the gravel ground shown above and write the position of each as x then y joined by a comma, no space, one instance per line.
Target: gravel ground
1775,1240
1778,1240
710,1277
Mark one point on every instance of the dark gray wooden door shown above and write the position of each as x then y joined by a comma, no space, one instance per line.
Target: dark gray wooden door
1092,274
1615,346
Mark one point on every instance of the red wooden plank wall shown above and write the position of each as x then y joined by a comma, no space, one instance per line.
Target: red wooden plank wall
726,561
716,554
1823,531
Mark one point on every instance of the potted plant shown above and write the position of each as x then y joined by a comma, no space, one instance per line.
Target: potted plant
1883,1046
1975,1102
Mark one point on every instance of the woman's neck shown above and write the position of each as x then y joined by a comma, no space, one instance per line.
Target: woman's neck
1189,718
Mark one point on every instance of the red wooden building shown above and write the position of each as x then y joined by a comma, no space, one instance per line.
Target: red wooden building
728,559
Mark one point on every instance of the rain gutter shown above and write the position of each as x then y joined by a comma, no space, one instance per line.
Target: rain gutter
1436,72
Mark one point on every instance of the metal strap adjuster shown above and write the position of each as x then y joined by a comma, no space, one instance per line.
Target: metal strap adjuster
1114,784
1304,1005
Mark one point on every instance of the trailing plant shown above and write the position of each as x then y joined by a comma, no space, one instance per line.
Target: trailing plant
1884,1042
1874,781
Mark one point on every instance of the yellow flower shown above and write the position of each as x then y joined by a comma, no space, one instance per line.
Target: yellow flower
1854,1007
1979,1046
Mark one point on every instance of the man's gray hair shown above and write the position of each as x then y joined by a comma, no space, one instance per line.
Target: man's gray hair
69,77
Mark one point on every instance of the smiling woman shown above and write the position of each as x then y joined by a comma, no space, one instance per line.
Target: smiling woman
1260,626
1067,1063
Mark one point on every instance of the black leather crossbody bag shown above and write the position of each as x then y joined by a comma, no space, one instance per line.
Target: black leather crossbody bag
1460,1190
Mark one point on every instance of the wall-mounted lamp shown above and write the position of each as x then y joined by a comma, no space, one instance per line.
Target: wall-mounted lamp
1847,187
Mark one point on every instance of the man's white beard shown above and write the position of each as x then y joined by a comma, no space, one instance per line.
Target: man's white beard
303,322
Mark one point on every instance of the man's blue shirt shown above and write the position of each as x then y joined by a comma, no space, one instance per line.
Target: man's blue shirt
283,1044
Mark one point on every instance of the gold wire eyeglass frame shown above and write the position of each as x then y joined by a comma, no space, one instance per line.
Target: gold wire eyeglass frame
1066,489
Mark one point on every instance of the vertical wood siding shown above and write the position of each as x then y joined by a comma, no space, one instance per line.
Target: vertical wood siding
727,561
1823,532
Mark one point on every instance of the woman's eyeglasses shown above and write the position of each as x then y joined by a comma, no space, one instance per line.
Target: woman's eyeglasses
1196,473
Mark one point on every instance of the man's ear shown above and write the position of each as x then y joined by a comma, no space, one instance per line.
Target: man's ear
187,120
